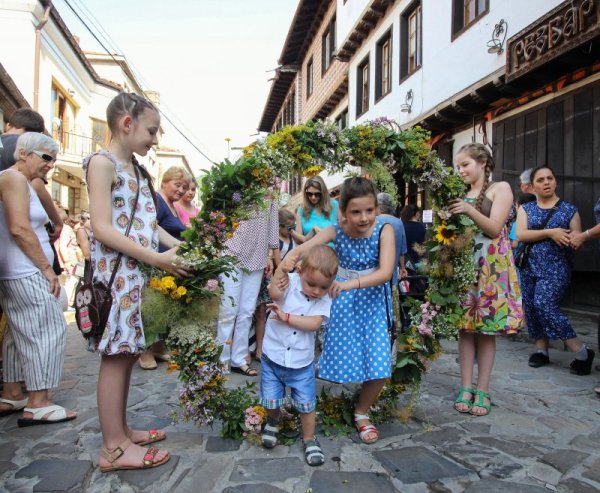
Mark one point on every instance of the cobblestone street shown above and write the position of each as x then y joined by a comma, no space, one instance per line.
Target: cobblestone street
542,434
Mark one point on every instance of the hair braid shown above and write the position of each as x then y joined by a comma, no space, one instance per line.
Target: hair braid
486,185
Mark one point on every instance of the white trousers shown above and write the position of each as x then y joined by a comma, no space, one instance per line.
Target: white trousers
36,338
238,303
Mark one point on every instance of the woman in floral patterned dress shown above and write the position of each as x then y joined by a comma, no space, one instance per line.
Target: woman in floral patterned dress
494,303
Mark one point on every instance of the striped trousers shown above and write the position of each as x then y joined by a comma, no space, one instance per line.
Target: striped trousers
36,337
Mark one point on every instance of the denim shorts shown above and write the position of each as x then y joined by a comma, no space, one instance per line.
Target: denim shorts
275,378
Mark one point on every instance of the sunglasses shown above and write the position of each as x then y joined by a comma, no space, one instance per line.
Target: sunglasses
313,194
46,157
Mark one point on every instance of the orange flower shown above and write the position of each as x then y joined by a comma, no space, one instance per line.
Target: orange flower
229,342
172,367
235,225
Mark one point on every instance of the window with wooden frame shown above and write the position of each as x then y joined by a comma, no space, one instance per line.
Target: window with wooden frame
411,34
328,46
383,66
342,120
466,12
362,87
64,111
309,78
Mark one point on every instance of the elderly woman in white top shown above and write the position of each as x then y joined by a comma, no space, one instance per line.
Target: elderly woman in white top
35,342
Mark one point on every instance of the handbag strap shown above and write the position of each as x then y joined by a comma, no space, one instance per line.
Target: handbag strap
131,217
550,214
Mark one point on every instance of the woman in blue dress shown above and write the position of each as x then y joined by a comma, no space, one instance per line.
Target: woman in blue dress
357,347
547,274
317,212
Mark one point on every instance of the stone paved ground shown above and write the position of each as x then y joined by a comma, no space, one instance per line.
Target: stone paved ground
543,434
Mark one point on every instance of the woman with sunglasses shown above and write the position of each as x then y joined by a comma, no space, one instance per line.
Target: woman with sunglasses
317,212
35,342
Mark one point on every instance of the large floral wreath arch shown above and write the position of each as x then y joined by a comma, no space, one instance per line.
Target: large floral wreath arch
231,191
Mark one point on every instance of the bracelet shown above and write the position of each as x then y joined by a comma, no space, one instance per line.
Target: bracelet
358,279
287,320
587,233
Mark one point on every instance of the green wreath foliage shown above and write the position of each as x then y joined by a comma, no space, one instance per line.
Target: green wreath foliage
231,191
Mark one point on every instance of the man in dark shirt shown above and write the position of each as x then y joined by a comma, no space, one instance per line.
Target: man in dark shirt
21,121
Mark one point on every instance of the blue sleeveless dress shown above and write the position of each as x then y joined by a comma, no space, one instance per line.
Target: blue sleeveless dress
357,344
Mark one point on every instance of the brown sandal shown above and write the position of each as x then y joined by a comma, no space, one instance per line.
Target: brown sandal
247,371
147,462
153,436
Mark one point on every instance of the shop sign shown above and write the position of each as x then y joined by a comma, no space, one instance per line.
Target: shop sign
569,25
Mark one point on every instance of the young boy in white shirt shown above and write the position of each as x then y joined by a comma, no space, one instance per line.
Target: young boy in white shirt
297,312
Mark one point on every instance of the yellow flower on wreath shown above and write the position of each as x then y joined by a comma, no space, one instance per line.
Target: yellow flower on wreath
168,282
155,283
181,291
444,235
313,170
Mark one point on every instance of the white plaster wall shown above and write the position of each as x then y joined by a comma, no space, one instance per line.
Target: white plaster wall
17,39
448,66
347,15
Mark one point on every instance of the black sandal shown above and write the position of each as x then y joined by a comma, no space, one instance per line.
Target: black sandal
313,453
247,371
269,433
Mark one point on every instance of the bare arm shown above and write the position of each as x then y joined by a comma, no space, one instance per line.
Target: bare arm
578,238
166,239
384,271
48,205
502,199
308,324
323,237
275,291
84,242
101,175
15,196
297,233
559,235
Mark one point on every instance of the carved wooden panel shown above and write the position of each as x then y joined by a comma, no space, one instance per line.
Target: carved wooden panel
569,25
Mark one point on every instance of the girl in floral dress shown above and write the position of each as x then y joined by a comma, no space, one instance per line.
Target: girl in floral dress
112,177
357,347
494,304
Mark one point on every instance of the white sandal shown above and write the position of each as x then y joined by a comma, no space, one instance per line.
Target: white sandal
57,414
364,430
16,406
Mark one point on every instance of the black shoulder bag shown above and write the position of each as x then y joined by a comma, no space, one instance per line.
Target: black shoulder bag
93,299
522,255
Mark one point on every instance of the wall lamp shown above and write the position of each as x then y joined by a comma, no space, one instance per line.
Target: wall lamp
496,45
406,107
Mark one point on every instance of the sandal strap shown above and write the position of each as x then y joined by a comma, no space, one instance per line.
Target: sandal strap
481,396
358,417
148,460
117,452
312,449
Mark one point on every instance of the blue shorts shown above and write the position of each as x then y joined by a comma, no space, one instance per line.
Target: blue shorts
275,378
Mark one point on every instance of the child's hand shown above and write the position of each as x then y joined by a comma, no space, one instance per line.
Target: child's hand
288,264
276,312
337,287
459,206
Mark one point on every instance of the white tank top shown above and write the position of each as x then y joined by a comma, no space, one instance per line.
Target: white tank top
14,264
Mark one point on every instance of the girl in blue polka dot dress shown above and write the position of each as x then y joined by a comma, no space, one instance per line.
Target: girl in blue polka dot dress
357,346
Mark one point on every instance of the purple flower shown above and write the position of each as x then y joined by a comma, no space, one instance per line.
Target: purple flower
236,197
